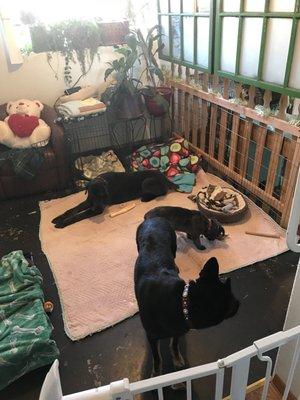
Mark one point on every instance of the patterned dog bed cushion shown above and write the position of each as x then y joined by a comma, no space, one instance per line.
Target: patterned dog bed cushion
173,159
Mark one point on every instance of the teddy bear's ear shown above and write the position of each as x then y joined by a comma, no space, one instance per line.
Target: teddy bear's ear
9,104
39,104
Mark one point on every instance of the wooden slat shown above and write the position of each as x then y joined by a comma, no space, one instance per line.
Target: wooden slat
288,150
215,83
291,184
260,143
238,90
186,116
247,111
212,129
187,75
275,148
267,98
222,135
179,109
204,119
226,88
195,124
205,82
283,103
238,178
233,141
251,92
174,109
246,134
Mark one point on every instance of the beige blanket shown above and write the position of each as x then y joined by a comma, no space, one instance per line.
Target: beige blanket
93,260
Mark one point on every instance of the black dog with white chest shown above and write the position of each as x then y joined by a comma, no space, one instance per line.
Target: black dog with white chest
115,188
194,223
168,306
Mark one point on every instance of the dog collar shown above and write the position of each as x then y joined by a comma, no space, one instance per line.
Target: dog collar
185,303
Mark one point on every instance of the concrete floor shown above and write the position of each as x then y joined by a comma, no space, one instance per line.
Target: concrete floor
122,351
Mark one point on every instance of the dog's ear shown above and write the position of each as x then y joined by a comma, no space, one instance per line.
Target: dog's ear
210,270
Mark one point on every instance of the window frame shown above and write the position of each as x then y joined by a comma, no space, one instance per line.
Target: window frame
195,15
266,15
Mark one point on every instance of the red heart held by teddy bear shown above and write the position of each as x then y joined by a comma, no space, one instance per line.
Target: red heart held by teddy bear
22,125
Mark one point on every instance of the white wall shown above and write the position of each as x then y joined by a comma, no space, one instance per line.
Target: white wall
35,80
285,354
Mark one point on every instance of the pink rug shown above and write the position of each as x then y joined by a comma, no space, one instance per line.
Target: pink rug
93,260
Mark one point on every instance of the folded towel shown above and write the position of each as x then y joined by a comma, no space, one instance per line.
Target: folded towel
184,181
78,108
94,108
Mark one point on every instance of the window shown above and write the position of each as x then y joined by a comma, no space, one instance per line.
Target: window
187,34
20,15
256,42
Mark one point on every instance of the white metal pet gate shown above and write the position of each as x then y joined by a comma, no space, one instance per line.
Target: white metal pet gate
239,362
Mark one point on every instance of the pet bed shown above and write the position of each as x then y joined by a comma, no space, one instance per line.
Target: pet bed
225,204
174,159
92,166
25,329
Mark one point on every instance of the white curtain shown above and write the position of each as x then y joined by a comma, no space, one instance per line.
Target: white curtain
12,49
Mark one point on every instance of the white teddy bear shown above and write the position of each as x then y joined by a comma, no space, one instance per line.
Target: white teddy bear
23,126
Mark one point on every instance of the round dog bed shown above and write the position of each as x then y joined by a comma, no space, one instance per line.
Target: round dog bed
223,203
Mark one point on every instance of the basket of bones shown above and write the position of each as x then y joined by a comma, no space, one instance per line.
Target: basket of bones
223,203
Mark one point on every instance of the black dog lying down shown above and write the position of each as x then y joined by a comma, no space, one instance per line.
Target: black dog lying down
194,223
114,188
169,307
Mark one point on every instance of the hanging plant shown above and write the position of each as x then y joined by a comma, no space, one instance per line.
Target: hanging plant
76,40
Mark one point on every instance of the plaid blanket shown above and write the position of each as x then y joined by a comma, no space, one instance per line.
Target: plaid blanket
26,162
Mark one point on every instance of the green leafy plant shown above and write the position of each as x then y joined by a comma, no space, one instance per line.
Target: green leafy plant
156,97
76,40
125,93
138,48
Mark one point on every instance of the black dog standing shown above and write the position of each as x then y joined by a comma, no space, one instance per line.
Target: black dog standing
115,188
168,306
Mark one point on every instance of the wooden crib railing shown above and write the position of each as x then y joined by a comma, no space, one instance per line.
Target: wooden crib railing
260,153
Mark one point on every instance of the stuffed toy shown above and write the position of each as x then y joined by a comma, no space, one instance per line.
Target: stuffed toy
23,126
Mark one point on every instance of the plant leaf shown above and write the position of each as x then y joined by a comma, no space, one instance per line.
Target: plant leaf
108,72
131,41
159,74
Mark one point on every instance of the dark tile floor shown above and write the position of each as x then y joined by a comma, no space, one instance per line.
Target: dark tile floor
122,351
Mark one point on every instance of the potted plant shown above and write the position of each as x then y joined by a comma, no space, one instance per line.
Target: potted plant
76,40
157,97
124,97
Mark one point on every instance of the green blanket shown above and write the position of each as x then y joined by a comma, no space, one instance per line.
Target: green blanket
25,329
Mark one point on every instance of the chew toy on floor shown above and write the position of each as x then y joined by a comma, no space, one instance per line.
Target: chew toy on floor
268,235
123,210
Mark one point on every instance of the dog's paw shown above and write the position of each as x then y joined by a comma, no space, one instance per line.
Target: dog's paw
60,225
146,199
56,220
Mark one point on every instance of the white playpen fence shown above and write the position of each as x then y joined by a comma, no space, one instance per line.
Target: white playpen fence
239,361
